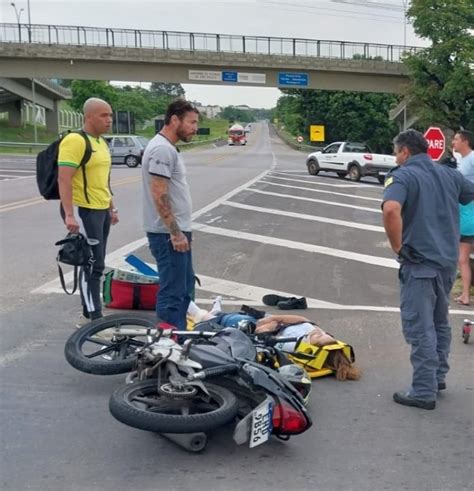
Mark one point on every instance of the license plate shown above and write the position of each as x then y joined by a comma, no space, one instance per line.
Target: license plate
261,426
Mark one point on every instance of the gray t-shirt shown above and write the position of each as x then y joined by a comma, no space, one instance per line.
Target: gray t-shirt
161,158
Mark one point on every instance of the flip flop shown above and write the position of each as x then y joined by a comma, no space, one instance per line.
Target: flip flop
460,302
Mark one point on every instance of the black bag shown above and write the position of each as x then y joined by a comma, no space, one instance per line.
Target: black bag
75,250
47,167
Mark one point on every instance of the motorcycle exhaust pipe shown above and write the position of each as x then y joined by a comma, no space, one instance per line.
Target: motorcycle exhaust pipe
214,372
192,442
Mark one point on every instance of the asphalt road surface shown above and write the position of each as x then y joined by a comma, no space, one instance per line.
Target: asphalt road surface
262,224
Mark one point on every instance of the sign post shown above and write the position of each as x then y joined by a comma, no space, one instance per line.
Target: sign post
436,142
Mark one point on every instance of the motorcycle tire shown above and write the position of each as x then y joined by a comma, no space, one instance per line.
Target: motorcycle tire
91,350
132,404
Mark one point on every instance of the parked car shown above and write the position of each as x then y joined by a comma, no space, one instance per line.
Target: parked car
126,149
349,158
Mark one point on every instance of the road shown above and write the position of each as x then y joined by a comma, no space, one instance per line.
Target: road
262,224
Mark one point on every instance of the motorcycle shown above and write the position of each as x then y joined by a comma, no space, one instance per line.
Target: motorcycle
185,390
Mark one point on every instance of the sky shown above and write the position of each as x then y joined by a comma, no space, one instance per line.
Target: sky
374,21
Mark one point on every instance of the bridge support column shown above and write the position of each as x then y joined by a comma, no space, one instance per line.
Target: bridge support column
52,118
14,113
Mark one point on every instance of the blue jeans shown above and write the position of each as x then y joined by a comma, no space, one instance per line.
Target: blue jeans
176,279
424,293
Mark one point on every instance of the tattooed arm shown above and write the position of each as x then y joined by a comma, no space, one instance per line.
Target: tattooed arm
159,191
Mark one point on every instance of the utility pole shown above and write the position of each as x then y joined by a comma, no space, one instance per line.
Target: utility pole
405,5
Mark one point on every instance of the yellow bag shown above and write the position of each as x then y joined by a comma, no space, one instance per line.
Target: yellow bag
312,358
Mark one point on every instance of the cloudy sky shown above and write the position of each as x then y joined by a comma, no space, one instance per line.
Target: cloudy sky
375,21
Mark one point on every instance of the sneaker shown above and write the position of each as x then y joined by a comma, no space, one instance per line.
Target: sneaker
82,321
405,399
293,304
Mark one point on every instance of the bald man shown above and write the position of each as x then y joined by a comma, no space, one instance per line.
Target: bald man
86,199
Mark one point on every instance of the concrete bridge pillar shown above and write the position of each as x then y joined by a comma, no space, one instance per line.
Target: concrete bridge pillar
52,118
14,113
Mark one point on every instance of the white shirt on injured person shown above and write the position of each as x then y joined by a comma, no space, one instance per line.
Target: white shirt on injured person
161,158
294,331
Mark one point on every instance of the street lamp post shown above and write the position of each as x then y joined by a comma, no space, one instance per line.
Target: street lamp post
405,4
18,18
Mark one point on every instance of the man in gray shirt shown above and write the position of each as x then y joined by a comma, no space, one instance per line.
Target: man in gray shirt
167,212
421,219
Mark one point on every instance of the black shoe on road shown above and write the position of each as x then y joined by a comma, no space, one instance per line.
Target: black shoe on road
273,299
293,304
441,385
405,399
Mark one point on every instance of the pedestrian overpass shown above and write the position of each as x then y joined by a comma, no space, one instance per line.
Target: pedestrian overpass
90,53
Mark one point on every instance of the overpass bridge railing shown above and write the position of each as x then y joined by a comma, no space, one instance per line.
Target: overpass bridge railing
191,41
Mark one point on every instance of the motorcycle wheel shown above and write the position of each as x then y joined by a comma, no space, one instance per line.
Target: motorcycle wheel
94,349
142,405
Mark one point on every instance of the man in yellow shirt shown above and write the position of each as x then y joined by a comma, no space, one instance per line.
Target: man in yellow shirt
87,206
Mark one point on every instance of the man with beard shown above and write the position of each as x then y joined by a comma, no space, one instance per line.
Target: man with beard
167,211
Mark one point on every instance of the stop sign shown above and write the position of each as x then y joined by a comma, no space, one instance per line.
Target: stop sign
436,142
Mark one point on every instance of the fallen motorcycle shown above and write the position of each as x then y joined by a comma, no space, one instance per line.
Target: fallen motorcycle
185,390
205,383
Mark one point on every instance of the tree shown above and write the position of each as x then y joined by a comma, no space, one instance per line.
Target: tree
442,80
237,115
354,116
168,89
84,89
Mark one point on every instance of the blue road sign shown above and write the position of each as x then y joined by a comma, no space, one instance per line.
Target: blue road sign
292,78
229,76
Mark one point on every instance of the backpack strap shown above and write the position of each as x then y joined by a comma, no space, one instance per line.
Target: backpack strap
63,283
86,157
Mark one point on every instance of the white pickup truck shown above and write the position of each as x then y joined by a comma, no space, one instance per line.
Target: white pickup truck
352,159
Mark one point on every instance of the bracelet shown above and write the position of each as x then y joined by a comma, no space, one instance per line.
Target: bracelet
113,210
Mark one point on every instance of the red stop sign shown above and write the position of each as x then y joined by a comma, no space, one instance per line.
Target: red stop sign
436,142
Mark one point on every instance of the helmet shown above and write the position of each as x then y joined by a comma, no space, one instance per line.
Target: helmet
298,378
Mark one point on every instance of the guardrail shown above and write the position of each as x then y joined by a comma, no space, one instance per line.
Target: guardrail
194,41
38,146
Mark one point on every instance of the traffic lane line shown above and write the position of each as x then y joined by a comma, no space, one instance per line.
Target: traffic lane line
34,201
305,216
300,246
117,255
315,200
322,191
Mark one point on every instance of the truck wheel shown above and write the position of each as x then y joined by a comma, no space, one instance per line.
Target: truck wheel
341,175
313,167
354,173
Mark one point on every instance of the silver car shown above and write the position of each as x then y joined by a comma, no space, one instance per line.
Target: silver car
126,149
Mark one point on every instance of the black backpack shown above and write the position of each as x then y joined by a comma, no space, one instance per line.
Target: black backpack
47,167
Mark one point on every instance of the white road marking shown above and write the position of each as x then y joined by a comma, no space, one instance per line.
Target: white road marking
116,257
17,170
300,246
316,180
303,216
9,177
355,196
314,200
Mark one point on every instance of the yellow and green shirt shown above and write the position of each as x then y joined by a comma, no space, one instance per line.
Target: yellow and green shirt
71,151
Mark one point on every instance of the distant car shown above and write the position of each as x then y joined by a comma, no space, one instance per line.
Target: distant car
352,159
247,129
126,149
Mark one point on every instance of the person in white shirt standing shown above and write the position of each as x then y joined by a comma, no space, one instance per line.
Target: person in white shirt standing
463,143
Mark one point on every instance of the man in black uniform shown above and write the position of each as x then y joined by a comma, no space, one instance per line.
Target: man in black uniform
421,219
